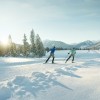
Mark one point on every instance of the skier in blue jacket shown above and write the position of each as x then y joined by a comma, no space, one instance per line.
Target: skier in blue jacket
51,54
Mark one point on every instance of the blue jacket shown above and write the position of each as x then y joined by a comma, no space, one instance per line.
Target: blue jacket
52,50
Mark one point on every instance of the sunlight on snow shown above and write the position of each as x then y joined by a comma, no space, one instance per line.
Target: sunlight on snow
16,60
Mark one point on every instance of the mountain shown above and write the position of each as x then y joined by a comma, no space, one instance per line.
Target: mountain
95,46
57,44
84,44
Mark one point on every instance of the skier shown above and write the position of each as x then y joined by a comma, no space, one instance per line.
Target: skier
72,54
51,55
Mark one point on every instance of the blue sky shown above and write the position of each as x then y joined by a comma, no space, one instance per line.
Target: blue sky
70,21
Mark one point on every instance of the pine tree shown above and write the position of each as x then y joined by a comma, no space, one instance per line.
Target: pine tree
1,49
19,50
32,39
26,46
40,51
14,50
10,47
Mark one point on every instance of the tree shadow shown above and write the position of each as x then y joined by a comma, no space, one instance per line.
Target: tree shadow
40,82
34,84
67,72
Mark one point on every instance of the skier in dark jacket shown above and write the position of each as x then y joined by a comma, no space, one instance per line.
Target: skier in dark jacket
72,54
51,55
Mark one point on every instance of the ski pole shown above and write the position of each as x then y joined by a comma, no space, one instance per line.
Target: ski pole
66,57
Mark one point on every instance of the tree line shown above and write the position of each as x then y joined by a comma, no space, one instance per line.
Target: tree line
34,49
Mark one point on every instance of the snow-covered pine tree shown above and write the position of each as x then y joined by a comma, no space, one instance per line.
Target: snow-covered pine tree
14,50
26,46
32,40
10,47
19,49
40,51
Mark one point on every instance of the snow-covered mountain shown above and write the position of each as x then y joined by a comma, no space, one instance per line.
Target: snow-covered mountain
95,46
85,44
58,44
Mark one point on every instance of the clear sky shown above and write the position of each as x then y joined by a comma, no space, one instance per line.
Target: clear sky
70,21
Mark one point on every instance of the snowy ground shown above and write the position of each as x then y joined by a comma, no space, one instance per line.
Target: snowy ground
30,79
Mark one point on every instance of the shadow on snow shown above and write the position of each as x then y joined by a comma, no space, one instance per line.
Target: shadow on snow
22,85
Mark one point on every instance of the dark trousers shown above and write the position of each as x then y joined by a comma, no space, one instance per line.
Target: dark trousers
51,55
70,57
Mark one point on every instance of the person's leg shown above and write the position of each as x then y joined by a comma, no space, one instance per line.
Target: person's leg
48,58
53,58
68,58
73,59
